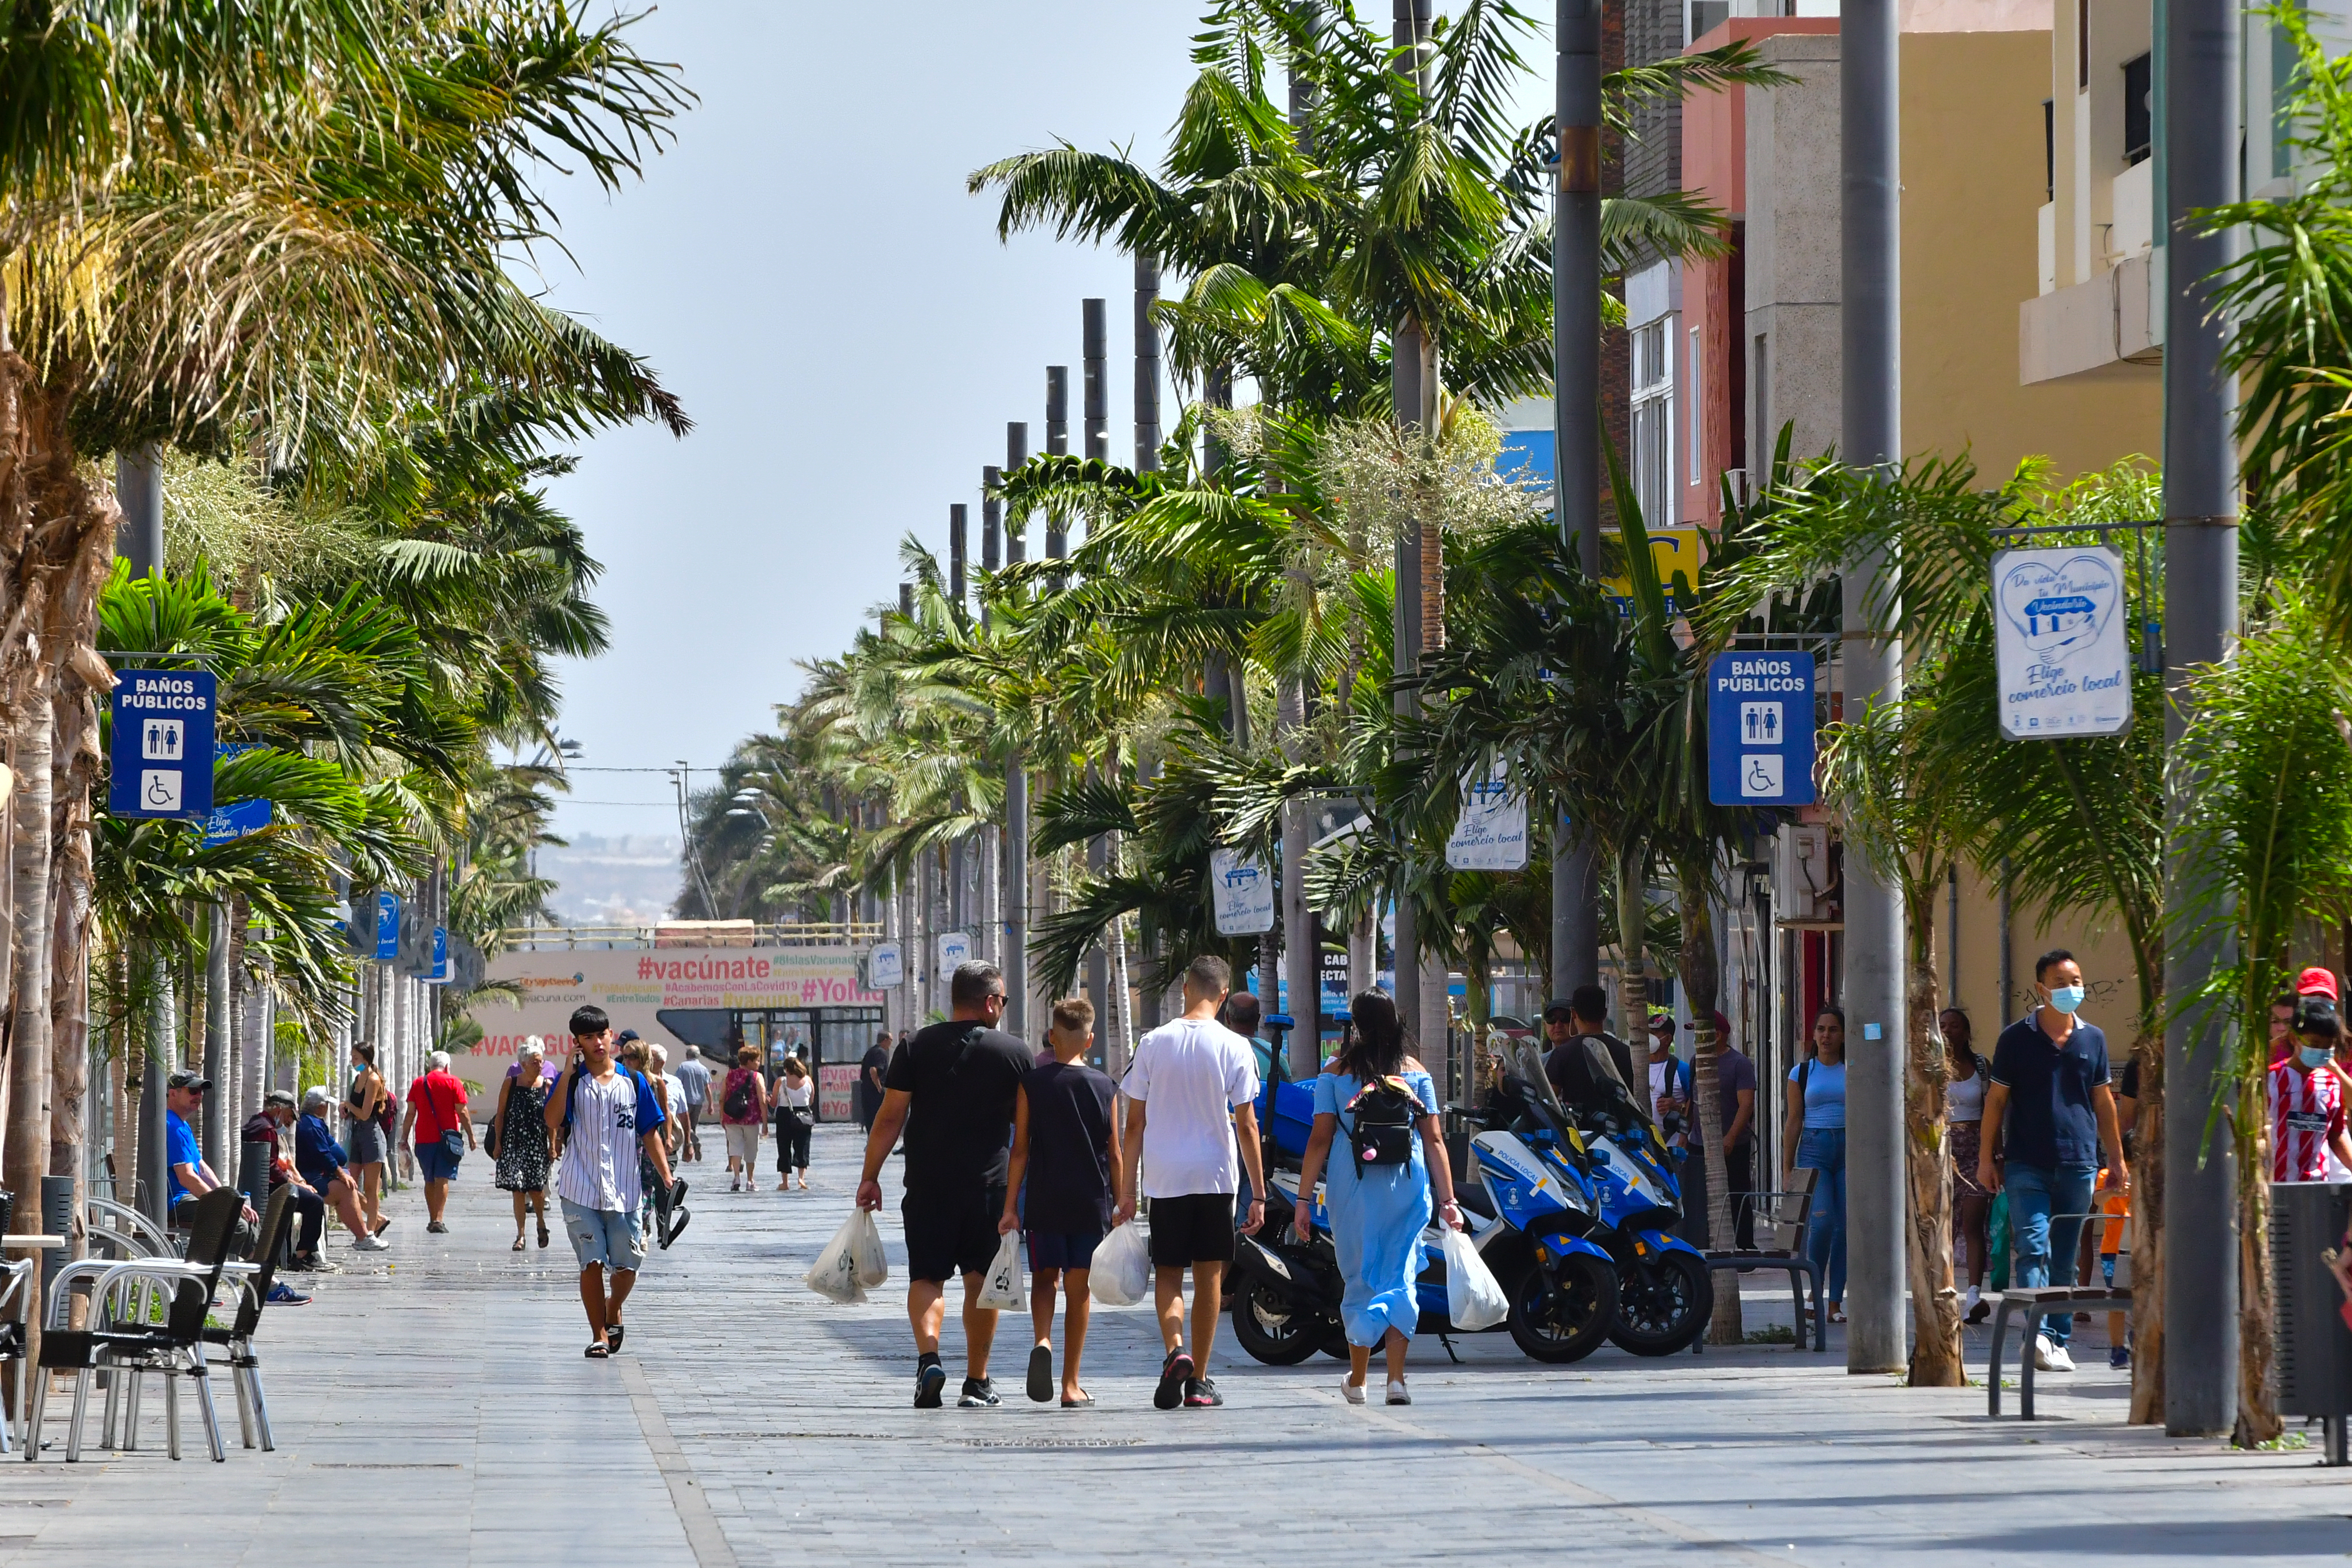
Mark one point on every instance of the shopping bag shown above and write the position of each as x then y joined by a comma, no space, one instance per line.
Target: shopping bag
1007,1289
1122,1268
1996,1243
1473,1300
865,1248
835,1274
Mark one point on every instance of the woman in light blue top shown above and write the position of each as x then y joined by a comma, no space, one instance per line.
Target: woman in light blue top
1814,1135
1378,1212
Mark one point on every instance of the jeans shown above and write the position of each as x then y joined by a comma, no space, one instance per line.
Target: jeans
1822,1149
2035,1192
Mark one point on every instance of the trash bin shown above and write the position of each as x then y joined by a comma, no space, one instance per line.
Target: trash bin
2314,1348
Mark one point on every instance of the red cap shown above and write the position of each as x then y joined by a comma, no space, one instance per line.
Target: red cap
2316,982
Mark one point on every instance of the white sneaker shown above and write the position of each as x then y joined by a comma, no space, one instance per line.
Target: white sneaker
1354,1391
2057,1359
1397,1392
371,1244
1968,1302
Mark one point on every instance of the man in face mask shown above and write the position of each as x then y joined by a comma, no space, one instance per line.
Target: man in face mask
2306,1098
2048,1110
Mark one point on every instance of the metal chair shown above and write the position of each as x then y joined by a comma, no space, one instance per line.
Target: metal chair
23,1277
1787,1213
126,1336
126,1231
252,1282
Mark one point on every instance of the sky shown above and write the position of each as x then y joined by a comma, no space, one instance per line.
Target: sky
804,269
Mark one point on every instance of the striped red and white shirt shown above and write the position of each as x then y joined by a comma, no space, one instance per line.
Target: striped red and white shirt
2307,1112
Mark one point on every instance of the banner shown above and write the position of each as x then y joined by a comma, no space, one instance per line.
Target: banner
2063,647
1242,890
1491,833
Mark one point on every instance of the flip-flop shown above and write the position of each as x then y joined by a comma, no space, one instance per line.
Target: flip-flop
518,1246
677,1222
1082,1402
596,1353
542,1236
1041,1373
613,1336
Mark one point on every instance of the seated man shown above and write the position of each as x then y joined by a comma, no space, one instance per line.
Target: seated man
190,1178
324,1165
277,1113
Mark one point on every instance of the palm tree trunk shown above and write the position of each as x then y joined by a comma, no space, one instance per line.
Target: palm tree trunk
1633,977
70,1002
2257,1412
1701,984
27,1157
1928,1165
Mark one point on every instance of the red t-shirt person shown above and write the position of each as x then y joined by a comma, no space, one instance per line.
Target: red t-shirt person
440,1100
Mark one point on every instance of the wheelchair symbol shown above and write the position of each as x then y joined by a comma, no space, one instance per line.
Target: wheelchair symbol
1761,774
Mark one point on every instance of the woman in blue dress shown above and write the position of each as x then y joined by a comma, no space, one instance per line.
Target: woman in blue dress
1377,1215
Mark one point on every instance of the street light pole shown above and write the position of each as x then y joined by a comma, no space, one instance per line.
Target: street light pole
1147,364
1016,802
1869,88
1576,425
2200,106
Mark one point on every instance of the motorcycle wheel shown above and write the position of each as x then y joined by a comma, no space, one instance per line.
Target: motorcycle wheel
1664,1302
1272,1331
1566,1321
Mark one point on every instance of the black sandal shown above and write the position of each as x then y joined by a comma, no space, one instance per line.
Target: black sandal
596,1353
613,1336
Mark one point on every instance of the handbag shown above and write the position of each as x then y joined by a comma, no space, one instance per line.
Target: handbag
453,1141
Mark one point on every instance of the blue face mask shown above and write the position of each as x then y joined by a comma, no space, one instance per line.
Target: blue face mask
2067,999
2314,1056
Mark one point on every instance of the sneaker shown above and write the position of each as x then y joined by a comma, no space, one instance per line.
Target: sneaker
281,1294
2042,1349
1397,1392
978,1395
930,1378
2057,1360
1200,1394
1968,1302
371,1244
2119,1357
436,1228
1174,1373
1354,1391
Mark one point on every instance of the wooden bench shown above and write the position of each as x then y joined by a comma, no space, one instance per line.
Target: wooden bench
1787,1213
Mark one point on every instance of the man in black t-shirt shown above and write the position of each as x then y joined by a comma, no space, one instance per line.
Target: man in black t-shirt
1586,1011
870,1070
951,1088
1066,1143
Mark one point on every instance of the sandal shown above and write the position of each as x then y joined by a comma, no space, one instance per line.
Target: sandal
1082,1402
542,1236
518,1246
613,1336
596,1353
381,1227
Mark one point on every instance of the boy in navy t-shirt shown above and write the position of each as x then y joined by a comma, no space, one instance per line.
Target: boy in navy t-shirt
1065,1143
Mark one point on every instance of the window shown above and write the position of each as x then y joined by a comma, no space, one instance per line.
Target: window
1654,423
2140,109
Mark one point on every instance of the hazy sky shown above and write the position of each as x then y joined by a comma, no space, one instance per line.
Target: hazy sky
804,269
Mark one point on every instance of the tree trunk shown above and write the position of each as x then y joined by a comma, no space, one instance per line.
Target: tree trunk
2257,1412
1633,979
1928,1168
1701,983
70,1001
2147,1237
26,1158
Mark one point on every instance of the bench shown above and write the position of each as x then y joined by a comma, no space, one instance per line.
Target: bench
1787,1213
2037,1302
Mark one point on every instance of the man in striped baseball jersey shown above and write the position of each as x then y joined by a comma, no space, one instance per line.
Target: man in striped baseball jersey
601,1115
2306,1098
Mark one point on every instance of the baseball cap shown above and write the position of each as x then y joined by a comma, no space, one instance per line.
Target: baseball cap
184,1079
2316,982
1660,1019
627,1034
279,1097
1557,1008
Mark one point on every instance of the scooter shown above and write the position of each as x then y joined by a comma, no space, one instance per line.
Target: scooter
1664,1296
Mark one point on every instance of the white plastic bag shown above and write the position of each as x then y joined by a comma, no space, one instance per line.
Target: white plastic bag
834,1276
1006,1289
1122,1268
865,1248
1473,1300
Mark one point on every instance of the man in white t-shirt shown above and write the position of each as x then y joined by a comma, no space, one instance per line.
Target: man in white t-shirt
1191,1088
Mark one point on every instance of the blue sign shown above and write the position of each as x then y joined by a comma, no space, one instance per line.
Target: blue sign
440,974
1759,729
162,763
235,820
387,927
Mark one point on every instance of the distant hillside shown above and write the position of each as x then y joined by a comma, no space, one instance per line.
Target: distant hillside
626,880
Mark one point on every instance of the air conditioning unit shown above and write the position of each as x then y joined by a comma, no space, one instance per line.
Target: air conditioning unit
1804,875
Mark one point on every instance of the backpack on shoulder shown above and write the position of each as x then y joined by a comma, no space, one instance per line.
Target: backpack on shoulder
738,1099
1381,1130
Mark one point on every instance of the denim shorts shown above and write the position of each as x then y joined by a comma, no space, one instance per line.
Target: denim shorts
603,1237
435,1163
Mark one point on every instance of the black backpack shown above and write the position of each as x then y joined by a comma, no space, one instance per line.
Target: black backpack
738,1099
1383,1114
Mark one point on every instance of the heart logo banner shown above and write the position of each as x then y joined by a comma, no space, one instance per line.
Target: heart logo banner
2063,645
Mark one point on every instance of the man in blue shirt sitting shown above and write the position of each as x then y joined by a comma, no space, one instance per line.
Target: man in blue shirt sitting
2047,1111
190,1178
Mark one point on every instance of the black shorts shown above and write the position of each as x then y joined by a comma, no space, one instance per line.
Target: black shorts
949,1236
1195,1228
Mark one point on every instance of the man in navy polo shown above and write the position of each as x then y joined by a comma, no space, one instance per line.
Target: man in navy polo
2047,1113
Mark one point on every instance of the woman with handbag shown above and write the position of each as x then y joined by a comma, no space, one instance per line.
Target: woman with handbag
795,1120
518,1138
1378,1190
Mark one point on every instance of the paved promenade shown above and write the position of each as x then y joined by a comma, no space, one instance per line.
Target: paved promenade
438,1411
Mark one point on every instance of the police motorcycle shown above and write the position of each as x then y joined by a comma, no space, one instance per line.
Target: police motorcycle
1664,1296
1288,1286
